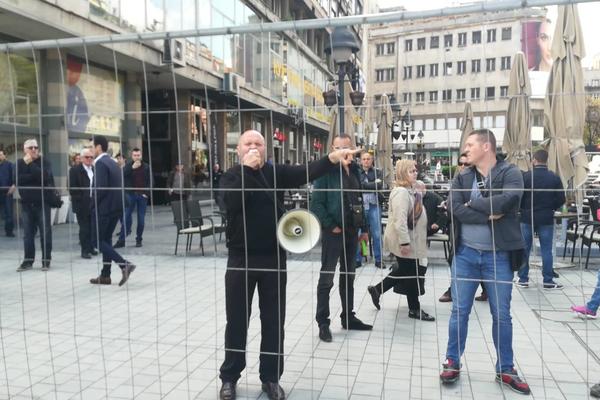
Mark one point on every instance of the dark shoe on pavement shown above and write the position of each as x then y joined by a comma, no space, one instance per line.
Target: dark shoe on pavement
482,297
25,266
555,274
522,284
446,297
227,391
355,324
450,372
325,333
420,314
375,295
10,234
512,380
379,264
595,390
119,244
358,264
87,256
273,391
126,271
94,252
138,244
553,286
101,280
45,265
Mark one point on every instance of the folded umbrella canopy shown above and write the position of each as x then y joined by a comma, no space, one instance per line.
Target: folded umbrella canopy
517,137
466,125
383,154
564,107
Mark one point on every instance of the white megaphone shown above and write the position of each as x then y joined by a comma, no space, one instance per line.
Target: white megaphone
298,230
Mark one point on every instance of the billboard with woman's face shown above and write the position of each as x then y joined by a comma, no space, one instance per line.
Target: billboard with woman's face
536,43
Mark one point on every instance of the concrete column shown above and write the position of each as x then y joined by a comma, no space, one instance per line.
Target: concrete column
132,124
53,102
181,141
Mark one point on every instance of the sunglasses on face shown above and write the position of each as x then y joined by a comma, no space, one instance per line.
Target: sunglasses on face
33,147
463,164
88,157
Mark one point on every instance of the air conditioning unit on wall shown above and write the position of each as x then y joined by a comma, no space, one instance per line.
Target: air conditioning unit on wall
173,52
231,83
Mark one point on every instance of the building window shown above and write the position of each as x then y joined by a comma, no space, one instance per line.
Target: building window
390,74
407,72
538,118
420,97
462,39
433,70
440,123
391,48
460,94
475,66
490,64
421,44
379,49
420,71
505,63
475,94
447,68
461,67
434,43
379,75
408,45
433,96
490,93
491,35
506,33
447,95
476,37
407,97
448,40
503,91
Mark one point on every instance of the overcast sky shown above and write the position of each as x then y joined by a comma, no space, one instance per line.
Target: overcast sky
588,14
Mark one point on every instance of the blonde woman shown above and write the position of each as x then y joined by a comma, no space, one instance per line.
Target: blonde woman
406,237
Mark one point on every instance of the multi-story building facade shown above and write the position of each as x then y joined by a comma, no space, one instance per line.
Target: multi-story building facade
434,66
182,99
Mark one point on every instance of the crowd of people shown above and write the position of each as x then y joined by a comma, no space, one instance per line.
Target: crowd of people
490,215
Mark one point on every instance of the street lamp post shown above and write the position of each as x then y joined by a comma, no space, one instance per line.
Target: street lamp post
342,47
407,127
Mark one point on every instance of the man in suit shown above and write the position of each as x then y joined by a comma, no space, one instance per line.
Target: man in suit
7,188
80,188
107,207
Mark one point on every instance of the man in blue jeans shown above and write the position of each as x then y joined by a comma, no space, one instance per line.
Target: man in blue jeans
484,201
138,184
372,184
543,195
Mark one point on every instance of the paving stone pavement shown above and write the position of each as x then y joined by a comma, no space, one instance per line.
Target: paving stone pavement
161,336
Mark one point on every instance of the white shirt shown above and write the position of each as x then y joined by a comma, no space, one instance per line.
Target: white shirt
90,174
99,157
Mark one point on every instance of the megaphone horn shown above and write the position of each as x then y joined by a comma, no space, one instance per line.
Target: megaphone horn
298,231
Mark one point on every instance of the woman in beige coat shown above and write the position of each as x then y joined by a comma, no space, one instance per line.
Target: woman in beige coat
406,237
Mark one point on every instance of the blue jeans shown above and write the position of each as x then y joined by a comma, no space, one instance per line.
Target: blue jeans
545,234
469,267
374,221
594,302
139,202
6,204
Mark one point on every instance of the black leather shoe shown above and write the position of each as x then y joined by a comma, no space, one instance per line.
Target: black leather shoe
273,391
356,324
93,252
555,274
375,295
101,280
119,244
138,244
379,264
227,391
420,314
325,333
126,271
87,256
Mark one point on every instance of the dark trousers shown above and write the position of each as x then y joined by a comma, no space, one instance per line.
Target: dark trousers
342,247
6,208
392,280
106,228
239,290
84,220
137,202
36,217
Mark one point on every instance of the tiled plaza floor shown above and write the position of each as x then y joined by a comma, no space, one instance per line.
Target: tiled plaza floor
162,335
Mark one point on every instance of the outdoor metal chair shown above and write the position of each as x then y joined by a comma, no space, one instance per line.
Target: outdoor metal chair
199,225
180,218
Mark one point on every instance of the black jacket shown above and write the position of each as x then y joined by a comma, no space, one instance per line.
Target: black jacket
128,178
32,179
548,194
367,182
504,198
108,187
435,215
79,189
251,214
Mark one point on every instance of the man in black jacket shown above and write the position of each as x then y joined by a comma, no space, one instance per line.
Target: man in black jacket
7,188
138,184
255,258
436,216
543,194
80,188
34,178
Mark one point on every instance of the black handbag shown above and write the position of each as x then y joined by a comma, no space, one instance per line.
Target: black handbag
52,196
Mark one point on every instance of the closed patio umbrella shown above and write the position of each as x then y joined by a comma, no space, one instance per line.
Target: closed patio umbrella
466,125
517,136
383,154
334,124
564,108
